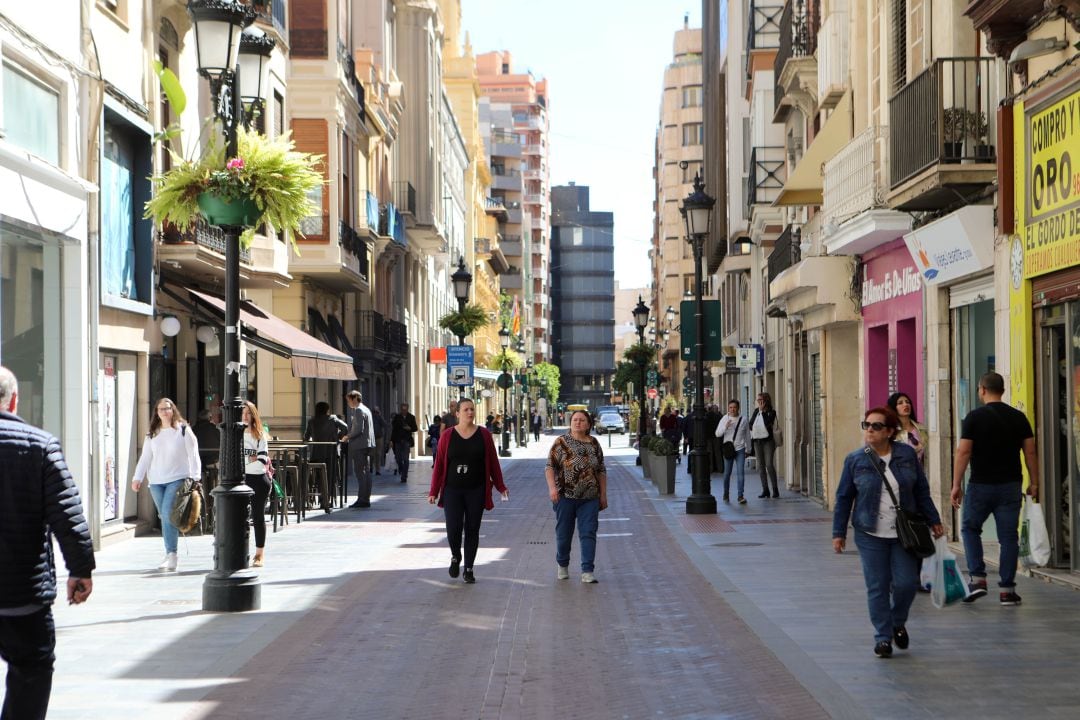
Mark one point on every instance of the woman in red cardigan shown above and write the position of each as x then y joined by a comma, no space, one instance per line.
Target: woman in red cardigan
466,469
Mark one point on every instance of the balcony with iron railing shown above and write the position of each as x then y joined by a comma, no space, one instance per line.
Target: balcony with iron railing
943,126
272,13
762,29
392,224
405,197
794,68
371,211
353,245
202,235
854,179
495,206
766,177
785,252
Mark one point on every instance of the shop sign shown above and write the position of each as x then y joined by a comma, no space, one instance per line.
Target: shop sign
888,285
1050,230
958,244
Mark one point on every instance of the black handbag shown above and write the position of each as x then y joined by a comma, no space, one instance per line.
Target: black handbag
727,448
911,528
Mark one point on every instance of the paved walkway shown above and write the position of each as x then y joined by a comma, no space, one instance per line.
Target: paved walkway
744,614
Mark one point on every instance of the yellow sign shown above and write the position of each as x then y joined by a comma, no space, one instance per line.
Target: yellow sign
1050,187
1021,349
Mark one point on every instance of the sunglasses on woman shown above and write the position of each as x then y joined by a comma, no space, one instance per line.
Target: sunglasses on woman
875,426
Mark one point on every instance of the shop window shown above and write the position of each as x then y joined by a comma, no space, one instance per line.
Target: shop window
32,114
126,237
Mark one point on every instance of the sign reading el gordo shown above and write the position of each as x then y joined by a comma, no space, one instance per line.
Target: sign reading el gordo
1051,187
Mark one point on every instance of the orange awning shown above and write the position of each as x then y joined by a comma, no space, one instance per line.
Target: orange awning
310,358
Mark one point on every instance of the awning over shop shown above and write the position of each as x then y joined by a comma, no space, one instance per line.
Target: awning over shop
310,358
485,374
804,184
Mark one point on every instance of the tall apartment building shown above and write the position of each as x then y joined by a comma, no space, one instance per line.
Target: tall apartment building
583,296
679,157
517,107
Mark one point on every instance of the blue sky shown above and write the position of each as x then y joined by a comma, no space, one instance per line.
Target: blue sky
604,60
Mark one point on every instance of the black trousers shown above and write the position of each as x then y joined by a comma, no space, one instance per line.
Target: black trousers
261,485
26,645
464,509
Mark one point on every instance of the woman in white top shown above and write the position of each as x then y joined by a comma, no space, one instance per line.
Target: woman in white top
256,457
734,429
169,456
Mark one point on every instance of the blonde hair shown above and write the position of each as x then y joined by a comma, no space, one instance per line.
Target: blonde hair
255,426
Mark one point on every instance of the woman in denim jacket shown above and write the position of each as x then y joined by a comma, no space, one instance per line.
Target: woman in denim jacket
891,573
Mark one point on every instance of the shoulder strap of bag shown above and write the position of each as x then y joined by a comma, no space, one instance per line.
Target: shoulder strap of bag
735,435
875,461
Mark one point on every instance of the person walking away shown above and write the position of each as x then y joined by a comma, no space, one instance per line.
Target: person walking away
577,485
379,427
361,438
716,458
991,440
39,500
208,435
466,469
325,428
669,430
536,423
450,418
734,429
434,432
911,432
169,456
256,458
402,428
890,572
762,425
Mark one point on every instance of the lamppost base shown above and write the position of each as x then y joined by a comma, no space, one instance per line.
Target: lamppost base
504,452
236,592
701,505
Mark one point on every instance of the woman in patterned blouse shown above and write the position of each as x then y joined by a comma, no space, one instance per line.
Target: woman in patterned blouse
577,484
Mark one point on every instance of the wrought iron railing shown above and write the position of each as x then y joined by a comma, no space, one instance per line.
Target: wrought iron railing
945,115
762,27
208,236
397,337
785,252
766,177
798,38
373,331
405,196
353,243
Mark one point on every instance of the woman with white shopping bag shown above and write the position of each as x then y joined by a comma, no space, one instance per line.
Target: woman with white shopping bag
891,572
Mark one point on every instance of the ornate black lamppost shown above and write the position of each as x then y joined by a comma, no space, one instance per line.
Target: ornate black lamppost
461,279
697,212
504,340
641,320
219,24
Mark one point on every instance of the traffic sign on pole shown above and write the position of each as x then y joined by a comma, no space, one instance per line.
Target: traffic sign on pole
652,393
459,365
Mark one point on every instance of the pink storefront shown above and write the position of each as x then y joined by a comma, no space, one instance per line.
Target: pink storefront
892,311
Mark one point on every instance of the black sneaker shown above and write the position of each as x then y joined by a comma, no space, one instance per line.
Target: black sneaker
726,498
901,638
763,495
468,577
1009,597
976,589
455,564
883,649
742,500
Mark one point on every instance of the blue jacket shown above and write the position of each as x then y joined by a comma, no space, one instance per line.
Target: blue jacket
38,500
861,487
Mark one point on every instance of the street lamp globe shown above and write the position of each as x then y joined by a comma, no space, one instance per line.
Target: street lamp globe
462,280
218,25
504,338
254,58
641,314
697,210
669,315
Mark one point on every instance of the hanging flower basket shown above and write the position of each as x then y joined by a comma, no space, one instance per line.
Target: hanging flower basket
219,211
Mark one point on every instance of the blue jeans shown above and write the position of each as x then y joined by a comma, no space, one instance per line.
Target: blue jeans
889,570
587,514
164,495
1003,501
26,645
739,463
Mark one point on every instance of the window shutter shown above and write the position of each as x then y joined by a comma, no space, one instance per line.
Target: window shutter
311,136
307,28
899,44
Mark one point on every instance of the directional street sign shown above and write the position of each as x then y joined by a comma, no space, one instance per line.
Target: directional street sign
652,379
459,365
504,381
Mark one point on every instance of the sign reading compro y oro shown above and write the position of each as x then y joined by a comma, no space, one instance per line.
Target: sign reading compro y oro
1050,188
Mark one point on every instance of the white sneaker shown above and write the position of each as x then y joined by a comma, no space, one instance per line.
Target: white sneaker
587,578
563,573
168,564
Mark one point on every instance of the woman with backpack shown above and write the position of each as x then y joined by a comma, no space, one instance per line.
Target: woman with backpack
169,456
256,459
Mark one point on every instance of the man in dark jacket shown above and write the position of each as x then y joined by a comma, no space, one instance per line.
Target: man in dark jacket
326,428
39,500
402,428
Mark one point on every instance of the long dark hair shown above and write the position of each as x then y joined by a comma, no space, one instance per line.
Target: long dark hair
155,421
894,399
767,398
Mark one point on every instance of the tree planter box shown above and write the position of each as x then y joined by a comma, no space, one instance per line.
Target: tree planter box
662,472
646,465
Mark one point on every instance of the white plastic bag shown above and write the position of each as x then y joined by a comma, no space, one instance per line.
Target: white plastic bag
928,571
948,586
1034,540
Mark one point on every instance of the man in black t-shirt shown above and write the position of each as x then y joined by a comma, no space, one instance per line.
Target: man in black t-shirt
991,439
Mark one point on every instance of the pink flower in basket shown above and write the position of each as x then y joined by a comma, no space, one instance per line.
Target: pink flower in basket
235,164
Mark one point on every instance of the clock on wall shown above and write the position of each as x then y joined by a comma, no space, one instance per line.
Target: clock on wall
1016,263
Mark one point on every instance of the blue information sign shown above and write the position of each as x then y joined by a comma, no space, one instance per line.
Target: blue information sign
459,365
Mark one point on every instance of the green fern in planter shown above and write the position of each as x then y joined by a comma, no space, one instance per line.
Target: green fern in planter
506,359
466,322
269,171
